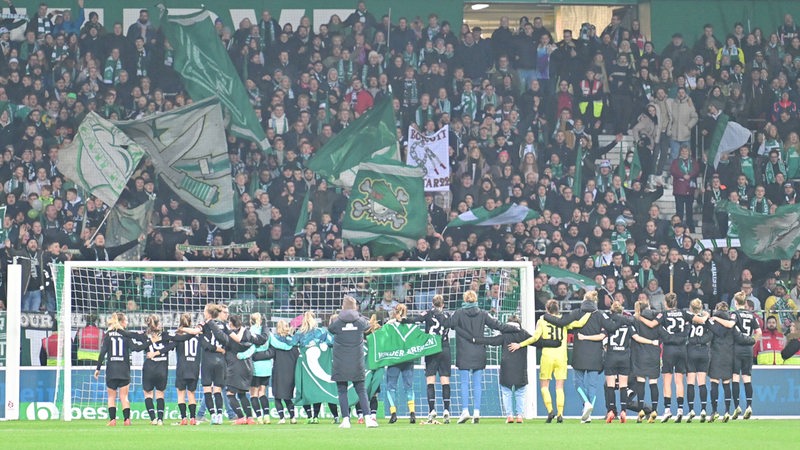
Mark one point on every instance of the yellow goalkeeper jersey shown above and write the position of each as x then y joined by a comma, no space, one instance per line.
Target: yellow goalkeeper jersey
545,330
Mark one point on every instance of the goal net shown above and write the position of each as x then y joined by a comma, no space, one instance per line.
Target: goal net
91,291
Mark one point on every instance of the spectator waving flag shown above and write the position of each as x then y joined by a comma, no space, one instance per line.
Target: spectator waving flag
372,134
127,224
727,137
101,159
383,209
397,342
557,275
503,215
312,377
206,70
189,152
766,237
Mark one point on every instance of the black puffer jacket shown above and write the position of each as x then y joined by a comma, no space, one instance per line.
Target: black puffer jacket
513,365
587,355
470,322
348,346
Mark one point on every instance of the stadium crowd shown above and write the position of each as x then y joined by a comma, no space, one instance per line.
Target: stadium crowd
519,104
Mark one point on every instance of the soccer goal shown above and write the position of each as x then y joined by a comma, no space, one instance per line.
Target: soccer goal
91,291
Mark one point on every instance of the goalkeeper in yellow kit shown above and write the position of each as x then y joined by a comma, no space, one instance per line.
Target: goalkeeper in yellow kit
554,360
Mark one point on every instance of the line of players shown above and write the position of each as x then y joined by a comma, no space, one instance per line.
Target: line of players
634,351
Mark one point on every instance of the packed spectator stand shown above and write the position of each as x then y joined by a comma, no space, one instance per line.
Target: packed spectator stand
519,103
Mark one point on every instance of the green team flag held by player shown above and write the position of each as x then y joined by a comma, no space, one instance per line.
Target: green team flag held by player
395,343
312,378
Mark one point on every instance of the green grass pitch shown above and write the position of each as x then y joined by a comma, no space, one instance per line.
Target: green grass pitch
489,434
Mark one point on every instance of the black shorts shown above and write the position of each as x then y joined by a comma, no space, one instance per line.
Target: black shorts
721,368
183,384
154,380
614,365
259,381
743,363
116,383
673,359
646,366
697,359
213,374
438,364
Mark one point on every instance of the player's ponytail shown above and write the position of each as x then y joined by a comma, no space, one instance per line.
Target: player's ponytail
741,299
113,322
374,324
235,321
400,311
671,300
186,320
640,306
309,322
552,306
212,310
283,328
696,305
255,319
153,323
591,295
438,301
721,306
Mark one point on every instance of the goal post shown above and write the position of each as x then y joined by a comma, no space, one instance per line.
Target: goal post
90,291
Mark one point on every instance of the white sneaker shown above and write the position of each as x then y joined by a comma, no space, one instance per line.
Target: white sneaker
446,416
587,411
667,415
464,417
370,422
346,423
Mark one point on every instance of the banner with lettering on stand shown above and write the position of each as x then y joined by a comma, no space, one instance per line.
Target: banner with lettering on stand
430,152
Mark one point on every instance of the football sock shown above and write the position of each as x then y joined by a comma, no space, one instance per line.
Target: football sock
160,408
316,407
126,413
639,389
245,404
431,390
547,399
654,396
703,396
714,395
446,396
726,390
690,396
151,410
390,399
583,395
680,404
334,410
279,407
192,410
255,402
411,406
623,398
748,393
610,398
735,388
264,402
219,402
237,408
208,397
373,405
290,408
560,401
307,409
667,404
112,413
182,409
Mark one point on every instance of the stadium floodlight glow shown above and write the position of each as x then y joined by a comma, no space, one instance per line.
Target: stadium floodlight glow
479,6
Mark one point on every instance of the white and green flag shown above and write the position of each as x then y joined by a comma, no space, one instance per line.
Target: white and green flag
556,275
386,207
728,136
100,159
127,224
766,237
312,378
190,153
502,215
206,70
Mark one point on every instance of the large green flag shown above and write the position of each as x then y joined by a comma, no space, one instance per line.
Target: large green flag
100,159
206,70
556,275
396,342
127,224
190,153
312,378
766,237
503,215
370,135
384,207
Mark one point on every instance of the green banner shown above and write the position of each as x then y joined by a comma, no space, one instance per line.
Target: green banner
396,342
312,378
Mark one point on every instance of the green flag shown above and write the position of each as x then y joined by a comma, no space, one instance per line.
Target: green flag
383,209
190,153
3,229
206,70
766,237
577,186
312,378
100,159
303,220
635,170
503,215
557,275
395,343
370,135
727,137
127,224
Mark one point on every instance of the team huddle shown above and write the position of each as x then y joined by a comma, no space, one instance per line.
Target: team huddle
632,351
